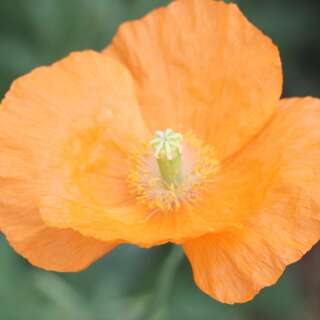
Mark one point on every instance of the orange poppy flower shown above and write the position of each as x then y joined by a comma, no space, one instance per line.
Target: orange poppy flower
175,133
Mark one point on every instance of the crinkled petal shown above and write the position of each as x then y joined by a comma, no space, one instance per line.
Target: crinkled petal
278,204
201,65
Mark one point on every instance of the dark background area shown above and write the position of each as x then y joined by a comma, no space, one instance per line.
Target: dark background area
124,284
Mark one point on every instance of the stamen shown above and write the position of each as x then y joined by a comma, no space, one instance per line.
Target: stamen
171,170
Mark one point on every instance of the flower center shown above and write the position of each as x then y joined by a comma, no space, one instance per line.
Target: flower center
171,170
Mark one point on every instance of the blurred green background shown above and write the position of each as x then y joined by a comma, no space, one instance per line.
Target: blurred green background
131,283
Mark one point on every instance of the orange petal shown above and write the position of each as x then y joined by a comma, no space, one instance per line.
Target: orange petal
200,65
278,206
80,208
47,117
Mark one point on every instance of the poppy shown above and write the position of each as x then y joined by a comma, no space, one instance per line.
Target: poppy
174,133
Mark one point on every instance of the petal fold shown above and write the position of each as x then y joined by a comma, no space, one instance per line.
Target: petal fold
48,248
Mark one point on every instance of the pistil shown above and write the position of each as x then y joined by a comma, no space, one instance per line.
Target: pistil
167,146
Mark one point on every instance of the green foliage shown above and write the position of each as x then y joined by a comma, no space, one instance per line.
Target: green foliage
131,283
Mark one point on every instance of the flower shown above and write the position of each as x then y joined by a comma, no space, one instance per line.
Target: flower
174,133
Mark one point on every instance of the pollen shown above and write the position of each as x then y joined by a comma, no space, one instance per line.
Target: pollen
171,170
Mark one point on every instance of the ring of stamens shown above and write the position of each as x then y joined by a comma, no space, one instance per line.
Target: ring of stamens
171,170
